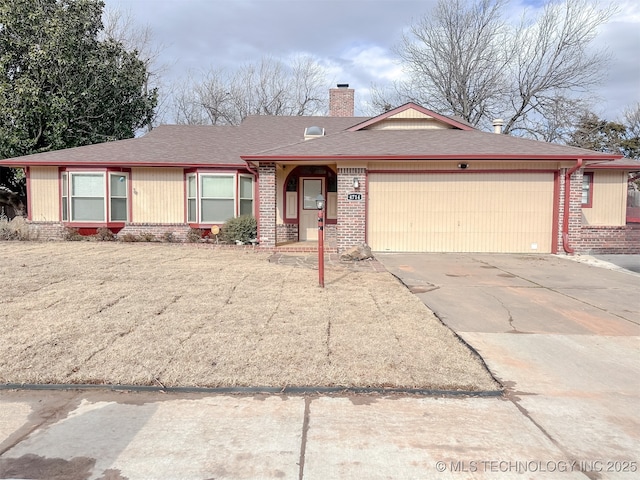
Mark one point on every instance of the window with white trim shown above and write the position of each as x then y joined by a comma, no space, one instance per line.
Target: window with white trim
246,195
84,196
587,189
213,198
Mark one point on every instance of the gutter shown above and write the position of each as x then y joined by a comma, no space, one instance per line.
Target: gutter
567,197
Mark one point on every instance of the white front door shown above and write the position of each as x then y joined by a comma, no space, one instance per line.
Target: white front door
311,188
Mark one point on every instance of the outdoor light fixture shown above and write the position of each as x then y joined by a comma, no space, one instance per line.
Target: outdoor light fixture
356,184
320,202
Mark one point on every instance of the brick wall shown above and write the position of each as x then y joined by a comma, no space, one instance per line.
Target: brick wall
351,229
48,230
267,207
575,208
606,240
178,230
287,232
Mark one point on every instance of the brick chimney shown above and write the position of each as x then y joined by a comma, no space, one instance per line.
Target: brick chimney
341,101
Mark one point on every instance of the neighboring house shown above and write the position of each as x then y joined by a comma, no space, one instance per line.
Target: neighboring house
408,180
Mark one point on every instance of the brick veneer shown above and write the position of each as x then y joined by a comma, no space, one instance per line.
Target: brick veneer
351,228
603,240
267,207
56,230
287,232
48,230
179,230
575,208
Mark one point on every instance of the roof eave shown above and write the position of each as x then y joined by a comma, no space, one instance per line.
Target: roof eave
304,158
120,164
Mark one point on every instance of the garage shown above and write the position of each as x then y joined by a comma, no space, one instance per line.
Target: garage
497,212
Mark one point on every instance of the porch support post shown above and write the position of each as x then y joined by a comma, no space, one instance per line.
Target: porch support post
352,224
267,192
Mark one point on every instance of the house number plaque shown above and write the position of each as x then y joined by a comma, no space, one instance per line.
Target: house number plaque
354,196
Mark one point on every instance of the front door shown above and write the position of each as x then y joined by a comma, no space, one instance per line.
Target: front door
311,188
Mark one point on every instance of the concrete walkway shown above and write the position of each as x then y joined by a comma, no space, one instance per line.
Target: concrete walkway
562,336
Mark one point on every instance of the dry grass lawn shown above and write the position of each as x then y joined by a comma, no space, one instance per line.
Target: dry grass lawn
180,315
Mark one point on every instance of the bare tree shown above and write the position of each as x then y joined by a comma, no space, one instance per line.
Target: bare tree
552,59
632,120
269,87
456,58
465,59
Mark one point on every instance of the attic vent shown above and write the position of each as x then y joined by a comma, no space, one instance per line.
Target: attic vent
313,132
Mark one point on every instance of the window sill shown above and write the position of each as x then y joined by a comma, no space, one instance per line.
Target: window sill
118,225
205,225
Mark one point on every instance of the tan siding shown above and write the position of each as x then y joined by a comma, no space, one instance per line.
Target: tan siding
473,165
44,194
411,113
158,195
409,124
609,199
452,212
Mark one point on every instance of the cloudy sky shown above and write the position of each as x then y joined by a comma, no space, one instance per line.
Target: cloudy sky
352,38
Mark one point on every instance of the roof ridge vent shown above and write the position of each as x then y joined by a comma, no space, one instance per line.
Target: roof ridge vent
313,132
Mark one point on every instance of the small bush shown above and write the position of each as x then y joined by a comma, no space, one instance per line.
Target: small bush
168,237
71,234
194,235
105,235
147,237
129,237
16,229
241,229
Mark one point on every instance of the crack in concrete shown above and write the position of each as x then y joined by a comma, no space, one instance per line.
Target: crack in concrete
510,319
537,285
305,432
514,399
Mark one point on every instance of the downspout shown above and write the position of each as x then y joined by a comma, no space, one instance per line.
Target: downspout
567,198
256,197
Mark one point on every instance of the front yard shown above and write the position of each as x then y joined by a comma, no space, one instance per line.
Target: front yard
183,315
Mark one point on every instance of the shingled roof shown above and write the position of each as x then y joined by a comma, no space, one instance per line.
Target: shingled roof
268,138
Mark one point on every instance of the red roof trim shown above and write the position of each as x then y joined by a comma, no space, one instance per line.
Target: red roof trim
410,106
314,158
235,166
633,167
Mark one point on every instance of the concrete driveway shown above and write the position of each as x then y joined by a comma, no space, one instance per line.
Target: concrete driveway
562,336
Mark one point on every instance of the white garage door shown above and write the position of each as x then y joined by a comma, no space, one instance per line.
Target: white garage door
461,212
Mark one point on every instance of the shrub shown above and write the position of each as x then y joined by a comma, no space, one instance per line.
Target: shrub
129,237
105,235
147,237
240,229
72,234
16,229
194,235
168,237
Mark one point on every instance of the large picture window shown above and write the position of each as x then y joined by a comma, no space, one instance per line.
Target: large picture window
94,197
213,198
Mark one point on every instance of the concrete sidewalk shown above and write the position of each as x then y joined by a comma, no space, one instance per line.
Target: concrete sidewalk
562,336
